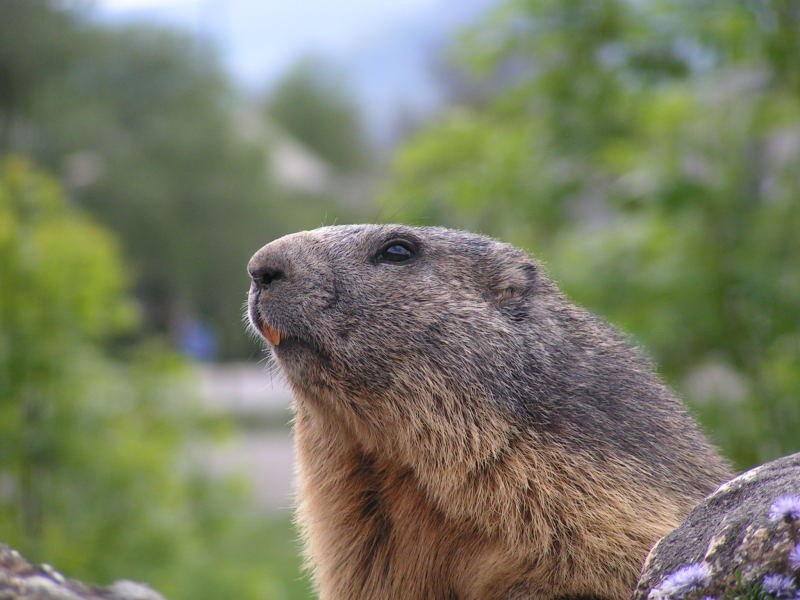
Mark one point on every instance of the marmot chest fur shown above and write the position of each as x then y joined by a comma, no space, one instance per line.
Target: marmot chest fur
463,431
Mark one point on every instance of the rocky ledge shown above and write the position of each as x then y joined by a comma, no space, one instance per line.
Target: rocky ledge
742,542
21,580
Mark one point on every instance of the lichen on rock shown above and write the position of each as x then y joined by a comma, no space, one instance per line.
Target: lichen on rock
742,542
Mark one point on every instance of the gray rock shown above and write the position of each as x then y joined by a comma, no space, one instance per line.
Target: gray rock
746,531
21,580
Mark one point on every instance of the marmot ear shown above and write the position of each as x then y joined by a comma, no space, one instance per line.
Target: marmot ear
513,277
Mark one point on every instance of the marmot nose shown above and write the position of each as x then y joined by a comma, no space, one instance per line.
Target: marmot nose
264,275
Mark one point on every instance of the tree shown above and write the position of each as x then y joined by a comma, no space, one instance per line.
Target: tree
37,40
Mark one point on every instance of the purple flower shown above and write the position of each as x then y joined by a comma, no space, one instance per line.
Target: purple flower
785,508
794,558
780,586
686,579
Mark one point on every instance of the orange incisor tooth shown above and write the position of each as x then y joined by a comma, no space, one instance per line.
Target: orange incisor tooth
273,335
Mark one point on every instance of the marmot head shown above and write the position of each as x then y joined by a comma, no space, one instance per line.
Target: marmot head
374,313
439,343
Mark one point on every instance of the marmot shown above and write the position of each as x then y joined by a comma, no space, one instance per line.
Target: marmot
463,431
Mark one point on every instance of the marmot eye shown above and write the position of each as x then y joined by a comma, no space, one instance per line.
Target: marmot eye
396,252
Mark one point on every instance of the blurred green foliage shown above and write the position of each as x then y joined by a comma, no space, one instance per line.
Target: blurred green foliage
649,152
95,475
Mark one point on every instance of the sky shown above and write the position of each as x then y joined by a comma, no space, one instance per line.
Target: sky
384,47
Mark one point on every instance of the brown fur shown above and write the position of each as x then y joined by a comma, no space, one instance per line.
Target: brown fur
463,432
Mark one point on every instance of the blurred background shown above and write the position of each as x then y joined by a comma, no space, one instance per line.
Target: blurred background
647,151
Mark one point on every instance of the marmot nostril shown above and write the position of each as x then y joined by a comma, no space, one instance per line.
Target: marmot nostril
263,276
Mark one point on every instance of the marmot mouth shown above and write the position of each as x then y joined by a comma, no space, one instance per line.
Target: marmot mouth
279,340
272,335
269,333
284,341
